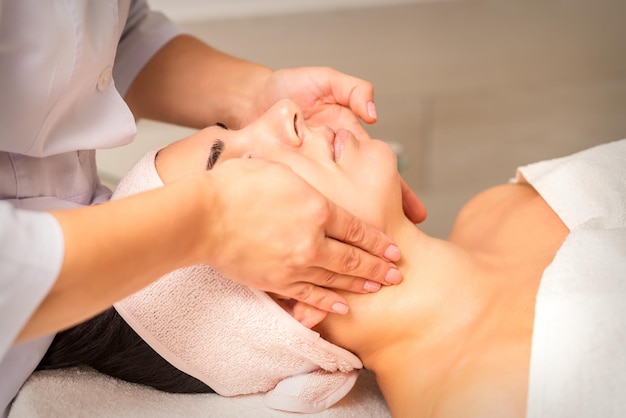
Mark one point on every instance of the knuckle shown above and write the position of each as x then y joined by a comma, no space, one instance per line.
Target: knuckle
327,278
351,260
376,271
305,253
304,292
355,232
320,210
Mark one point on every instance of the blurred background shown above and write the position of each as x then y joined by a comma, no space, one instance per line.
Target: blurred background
469,89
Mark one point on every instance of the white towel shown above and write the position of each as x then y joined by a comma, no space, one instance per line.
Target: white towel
578,359
235,339
68,393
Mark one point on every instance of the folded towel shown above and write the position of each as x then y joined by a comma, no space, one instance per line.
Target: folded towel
235,339
585,188
578,365
85,393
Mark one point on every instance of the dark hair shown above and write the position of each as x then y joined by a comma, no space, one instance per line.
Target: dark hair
109,345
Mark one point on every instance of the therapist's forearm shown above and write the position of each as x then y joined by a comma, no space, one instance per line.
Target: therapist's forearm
189,83
114,249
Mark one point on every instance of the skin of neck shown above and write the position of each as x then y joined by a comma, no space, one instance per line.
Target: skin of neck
419,322
447,326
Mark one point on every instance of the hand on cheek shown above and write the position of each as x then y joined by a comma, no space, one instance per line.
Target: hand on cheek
273,231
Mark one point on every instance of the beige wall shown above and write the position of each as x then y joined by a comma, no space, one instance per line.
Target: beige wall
471,89
194,10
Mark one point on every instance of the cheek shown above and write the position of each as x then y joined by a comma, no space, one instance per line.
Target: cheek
376,194
378,199
371,195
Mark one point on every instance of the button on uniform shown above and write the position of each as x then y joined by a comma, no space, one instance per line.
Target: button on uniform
104,79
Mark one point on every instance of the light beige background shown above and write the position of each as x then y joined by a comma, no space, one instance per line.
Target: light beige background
471,89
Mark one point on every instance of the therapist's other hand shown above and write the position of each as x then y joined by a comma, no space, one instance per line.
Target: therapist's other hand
326,97
412,206
277,233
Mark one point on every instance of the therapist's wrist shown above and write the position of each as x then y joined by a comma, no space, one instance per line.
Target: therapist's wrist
243,107
198,221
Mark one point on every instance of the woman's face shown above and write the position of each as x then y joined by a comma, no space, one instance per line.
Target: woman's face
359,175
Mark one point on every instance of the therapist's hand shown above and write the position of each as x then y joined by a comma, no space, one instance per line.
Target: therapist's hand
325,96
275,232
412,206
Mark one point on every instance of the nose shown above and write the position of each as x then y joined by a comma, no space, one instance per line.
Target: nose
286,123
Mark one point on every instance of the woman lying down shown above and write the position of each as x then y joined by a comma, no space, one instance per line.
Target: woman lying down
519,313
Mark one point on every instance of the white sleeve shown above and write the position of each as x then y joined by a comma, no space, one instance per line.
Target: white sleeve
145,32
31,255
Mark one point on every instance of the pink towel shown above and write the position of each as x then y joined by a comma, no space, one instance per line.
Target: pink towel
235,339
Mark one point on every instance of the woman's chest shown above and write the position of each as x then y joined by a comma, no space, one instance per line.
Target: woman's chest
511,222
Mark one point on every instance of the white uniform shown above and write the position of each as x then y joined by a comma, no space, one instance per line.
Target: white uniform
64,67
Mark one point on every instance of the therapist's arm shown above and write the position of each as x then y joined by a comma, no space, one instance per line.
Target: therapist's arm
189,83
192,84
113,249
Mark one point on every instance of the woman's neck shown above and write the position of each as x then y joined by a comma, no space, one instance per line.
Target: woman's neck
459,327
416,326
440,311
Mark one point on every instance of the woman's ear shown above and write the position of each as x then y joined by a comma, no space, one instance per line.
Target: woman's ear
308,315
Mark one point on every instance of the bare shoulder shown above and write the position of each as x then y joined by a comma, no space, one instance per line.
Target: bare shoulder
509,218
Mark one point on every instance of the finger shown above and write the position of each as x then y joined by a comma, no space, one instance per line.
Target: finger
412,206
355,93
342,260
345,227
352,124
338,117
318,297
308,315
331,280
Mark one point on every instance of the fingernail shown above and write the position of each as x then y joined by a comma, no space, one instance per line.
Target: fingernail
393,276
371,286
340,308
371,110
392,253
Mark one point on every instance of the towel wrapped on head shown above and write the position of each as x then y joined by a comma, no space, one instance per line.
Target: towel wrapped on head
235,339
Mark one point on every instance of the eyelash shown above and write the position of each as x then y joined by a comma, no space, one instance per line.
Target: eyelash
216,150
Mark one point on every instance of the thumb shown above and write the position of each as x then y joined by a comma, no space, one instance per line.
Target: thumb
355,93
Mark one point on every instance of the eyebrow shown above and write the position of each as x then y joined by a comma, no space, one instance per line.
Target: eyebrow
216,149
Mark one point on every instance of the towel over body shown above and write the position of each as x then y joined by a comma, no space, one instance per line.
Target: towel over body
578,363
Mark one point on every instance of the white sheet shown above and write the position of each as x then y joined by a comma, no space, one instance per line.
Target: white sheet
578,359
86,393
